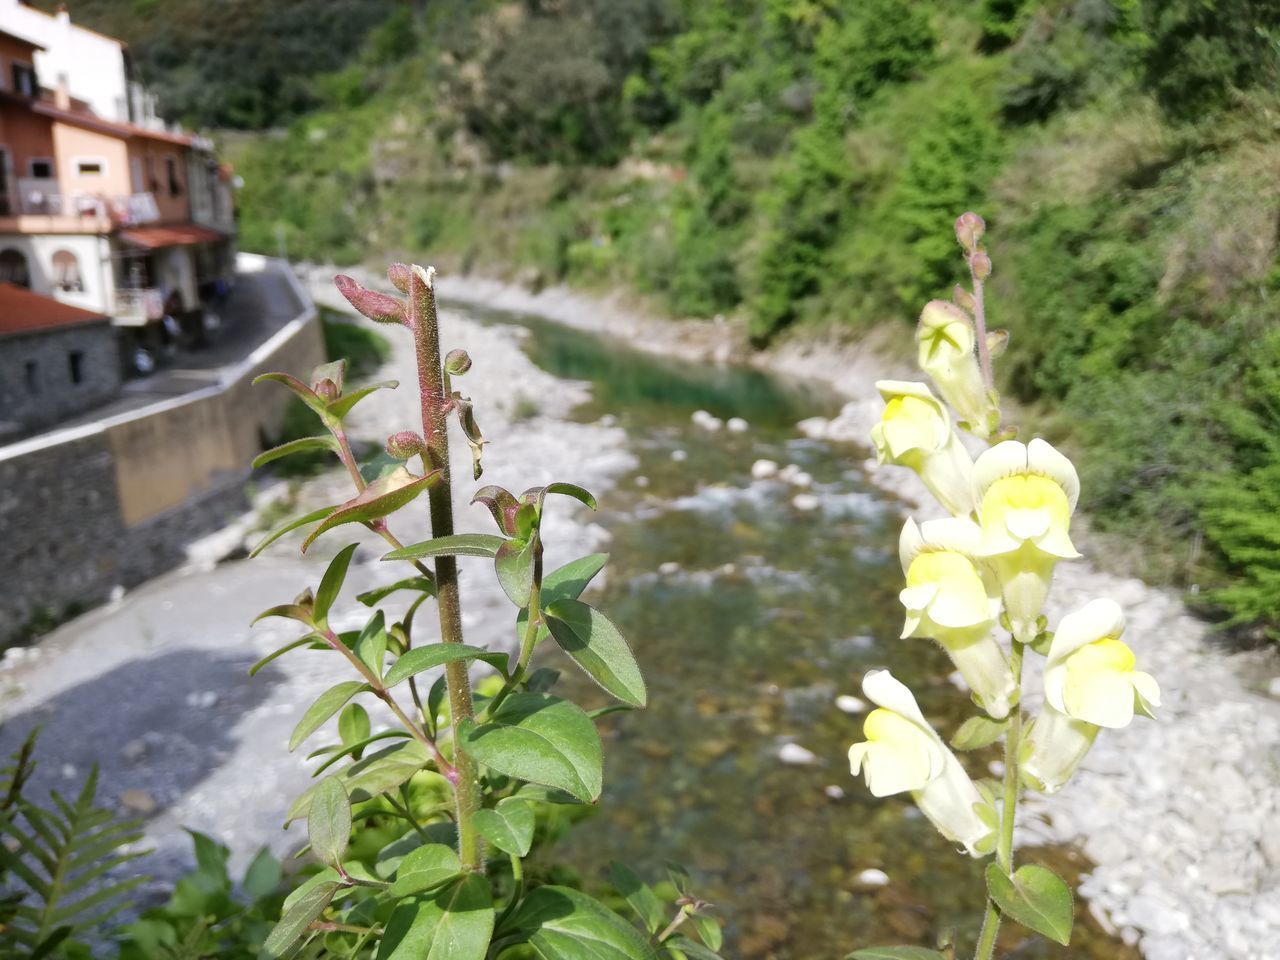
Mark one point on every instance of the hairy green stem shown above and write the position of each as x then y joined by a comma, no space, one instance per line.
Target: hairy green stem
424,322
1008,811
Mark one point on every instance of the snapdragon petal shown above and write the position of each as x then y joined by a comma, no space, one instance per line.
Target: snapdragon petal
1003,460
1104,699
1045,459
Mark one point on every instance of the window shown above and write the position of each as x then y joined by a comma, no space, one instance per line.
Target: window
41,169
171,166
33,377
24,80
90,167
75,360
66,272
13,268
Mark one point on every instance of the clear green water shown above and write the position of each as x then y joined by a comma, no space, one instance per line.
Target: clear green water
772,612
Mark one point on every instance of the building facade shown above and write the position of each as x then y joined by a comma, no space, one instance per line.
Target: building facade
101,207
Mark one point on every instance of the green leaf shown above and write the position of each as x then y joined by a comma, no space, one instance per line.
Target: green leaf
298,918
595,644
541,739
301,445
425,867
508,826
455,545
708,930
563,583
373,775
418,659
536,495
307,395
385,495
691,948
639,895
895,953
284,528
371,645
353,725
456,923
325,706
281,651
564,924
1035,897
501,505
514,564
263,875
331,582
329,821
287,611
977,732
371,598
342,406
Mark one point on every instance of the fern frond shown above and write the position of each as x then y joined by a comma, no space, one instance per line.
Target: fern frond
63,856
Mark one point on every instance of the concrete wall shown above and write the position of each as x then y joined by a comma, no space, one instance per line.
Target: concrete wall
115,502
45,392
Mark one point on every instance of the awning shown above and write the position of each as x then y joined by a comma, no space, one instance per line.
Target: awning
179,235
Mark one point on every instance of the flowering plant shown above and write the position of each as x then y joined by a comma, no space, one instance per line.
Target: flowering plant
989,565
422,828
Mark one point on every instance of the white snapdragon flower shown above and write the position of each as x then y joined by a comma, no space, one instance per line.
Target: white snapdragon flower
1089,683
1026,494
915,431
954,598
946,344
903,753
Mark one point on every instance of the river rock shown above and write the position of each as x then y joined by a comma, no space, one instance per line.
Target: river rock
736,425
795,754
850,704
764,469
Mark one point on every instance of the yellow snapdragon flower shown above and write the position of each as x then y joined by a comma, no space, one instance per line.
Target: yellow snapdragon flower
1026,494
946,342
903,753
915,431
954,598
1089,683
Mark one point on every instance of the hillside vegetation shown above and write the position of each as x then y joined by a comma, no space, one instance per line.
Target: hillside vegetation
798,163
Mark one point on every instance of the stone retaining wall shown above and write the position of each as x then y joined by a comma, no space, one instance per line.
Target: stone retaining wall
115,502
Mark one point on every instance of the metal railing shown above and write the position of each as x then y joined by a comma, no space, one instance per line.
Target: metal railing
40,196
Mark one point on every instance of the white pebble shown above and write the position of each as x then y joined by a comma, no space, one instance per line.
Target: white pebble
642,481
737,425
833,791
1273,687
679,456
802,479
794,753
668,568
850,704
806,501
873,878
764,469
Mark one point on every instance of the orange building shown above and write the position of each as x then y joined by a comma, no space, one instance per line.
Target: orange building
129,221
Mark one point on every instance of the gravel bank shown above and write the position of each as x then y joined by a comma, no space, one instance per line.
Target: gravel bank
1178,815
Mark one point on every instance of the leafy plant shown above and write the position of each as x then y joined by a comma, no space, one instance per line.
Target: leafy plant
60,860
422,830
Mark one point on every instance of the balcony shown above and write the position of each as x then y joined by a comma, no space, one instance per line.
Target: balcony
39,206
137,307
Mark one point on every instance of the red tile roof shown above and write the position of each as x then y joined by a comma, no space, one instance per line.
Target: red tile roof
112,128
22,311
175,235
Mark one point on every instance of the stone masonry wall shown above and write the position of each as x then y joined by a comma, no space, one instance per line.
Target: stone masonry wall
55,395
115,503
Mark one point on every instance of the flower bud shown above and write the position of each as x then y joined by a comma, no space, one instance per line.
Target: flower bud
980,264
915,431
327,390
376,306
963,298
946,343
404,445
969,229
457,362
398,274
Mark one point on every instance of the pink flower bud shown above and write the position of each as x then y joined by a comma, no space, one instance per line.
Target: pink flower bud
969,229
980,264
398,274
404,445
376,306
